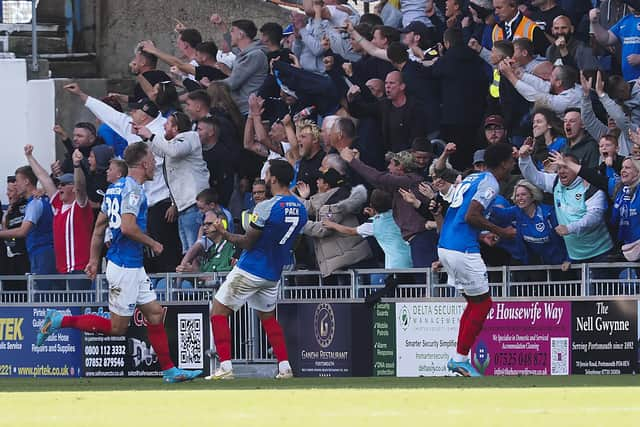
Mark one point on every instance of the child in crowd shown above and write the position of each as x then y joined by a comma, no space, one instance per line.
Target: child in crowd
397,253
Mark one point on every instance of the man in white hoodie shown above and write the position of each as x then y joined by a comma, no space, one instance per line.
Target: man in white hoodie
184,169
162,212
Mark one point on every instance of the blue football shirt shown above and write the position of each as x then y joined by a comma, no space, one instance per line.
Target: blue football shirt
125,196
281,219
456,234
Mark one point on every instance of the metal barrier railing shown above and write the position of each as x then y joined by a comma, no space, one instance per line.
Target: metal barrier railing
602,279
250,343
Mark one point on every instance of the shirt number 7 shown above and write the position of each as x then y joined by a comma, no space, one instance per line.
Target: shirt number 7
293,220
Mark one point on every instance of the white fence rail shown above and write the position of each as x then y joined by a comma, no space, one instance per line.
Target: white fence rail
604,279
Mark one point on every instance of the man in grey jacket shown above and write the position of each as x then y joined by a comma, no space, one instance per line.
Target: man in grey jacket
250,67
558,94
184,169
309,33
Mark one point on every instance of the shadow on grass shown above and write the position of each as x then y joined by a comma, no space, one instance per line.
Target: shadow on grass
119,384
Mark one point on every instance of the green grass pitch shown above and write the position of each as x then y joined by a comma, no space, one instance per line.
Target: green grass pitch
328,402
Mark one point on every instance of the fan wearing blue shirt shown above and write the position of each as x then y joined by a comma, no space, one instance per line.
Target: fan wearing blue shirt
535,223
626,32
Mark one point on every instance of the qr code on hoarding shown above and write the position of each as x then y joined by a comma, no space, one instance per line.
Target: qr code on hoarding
190,344
559,356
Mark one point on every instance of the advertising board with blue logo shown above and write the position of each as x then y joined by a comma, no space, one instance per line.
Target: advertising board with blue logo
327,339
525,338
60,356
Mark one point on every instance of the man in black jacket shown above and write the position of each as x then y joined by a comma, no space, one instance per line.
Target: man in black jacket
425,90
464,84
401,117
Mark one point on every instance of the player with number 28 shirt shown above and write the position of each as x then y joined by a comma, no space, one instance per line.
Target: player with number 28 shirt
124,212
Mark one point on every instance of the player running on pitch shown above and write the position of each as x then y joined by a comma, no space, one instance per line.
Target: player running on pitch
124,211
267,246
459,250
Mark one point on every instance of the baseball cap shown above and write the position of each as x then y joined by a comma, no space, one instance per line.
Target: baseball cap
333,178
415,27
403,158
66,178
288,30
288,91
147,106
494,120
478,156
421,144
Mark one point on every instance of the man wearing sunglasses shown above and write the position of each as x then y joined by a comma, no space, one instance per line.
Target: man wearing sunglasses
72,217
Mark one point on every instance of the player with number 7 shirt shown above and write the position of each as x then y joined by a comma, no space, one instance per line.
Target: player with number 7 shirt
124,213
268,243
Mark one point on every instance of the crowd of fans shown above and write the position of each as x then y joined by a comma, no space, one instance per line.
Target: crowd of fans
381,116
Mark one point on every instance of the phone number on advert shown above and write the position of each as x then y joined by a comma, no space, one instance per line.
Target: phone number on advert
512,358
105,362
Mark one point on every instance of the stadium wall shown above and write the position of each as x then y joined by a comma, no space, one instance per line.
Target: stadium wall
27,116
122,24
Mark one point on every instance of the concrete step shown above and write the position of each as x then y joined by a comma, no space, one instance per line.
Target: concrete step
73,69
23,29
21,45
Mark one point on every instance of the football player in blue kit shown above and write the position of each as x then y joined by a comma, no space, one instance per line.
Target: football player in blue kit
124,213
459,249
267,244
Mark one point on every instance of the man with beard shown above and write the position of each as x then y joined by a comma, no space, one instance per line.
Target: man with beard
186,173
84,138
307,137
567,50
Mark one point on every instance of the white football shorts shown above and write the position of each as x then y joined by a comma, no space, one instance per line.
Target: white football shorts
240,287
465,271
128,287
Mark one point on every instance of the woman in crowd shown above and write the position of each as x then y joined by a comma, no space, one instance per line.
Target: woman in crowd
626,208
536,223
548,135
337,201
225,109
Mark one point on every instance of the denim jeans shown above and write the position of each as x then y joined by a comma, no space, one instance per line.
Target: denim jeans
189,222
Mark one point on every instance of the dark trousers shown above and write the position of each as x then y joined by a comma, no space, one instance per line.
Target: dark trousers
167,234
465,137
424,248
17,265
